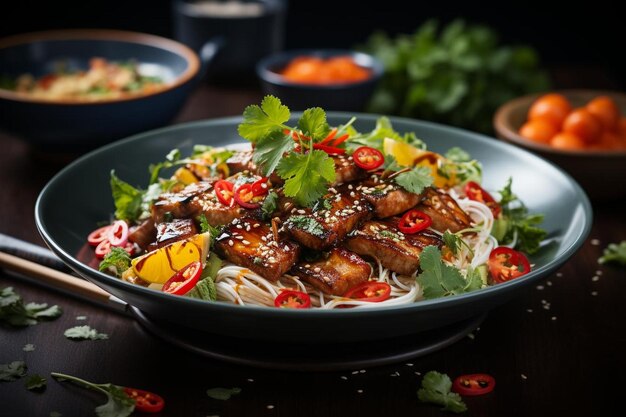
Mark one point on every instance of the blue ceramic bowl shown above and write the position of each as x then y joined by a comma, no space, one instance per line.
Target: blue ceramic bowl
73,125
344,97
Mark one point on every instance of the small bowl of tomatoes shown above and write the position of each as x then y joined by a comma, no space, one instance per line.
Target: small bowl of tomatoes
333,79
582,131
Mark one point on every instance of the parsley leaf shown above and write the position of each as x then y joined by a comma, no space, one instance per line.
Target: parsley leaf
12,371
223,394
118,404
439,279
313,123
452,241
14,312
269,204
35,381
259,122
127,199
84,333
306,175
614,253
436,389
270,150
456,154
415,180
117,261
204,223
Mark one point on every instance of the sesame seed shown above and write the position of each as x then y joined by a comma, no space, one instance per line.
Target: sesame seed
355,372
235,221
594,293
345,378
553,318
271,259
270,406
540,287
595,242
301,212
307,266
239,226
559,274
530,310
230,242
350,187
256,225
352,194
239,237
247,228
598,272
317,269
549,283
362,371
523,376
595,278
245,242
360,391
286,248
263,238
408,364
250,380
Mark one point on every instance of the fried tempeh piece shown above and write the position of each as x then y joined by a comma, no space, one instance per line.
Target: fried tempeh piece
343,209
169,232
386,197
250,243
444,211
382,240
346,170
240,161
334,274
143,234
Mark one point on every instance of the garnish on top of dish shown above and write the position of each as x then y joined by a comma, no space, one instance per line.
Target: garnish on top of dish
104,80
317,216
329,71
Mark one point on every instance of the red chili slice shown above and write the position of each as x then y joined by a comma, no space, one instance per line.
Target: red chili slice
506,264
184,280
145,401
341,139
474,384
292,299
244,195
98,235
368,158
414,221
330,136
118,233
372,291
331,150
104,248
224,192
475,192
260,187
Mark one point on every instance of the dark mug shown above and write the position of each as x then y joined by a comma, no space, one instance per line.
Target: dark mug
242,31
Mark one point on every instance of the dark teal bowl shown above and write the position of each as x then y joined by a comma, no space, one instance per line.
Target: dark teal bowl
72,125
343,97
78,198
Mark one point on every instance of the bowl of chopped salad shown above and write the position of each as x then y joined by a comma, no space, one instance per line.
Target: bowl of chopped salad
313,227
78,89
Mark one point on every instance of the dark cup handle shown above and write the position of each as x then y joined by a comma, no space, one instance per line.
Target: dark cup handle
207,53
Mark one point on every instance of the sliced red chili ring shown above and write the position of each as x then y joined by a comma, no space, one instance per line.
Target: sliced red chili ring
98,235
414,221
474,384
145,401
118,233
184,280
260,187
244,195
506,264
331,150
292,299
372,291
224,192
475,192
368,158
105,246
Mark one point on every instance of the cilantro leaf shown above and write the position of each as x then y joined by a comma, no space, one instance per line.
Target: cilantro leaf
258,122
614,253
84,333
127,199
117,261
204,223
382,130
270,149
439,279
12,371
35,381
223,394
14,312
452,242
306,223
456,154
269,204
313,123
29,347
436,389
171,159
118,404
415,180
306,175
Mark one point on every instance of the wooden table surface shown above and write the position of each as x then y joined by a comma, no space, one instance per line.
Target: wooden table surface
557,349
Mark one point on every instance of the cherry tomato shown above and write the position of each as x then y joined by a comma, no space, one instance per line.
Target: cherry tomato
244,195
567,141
584,125
539,130
303,70
145,401
292,299
260,187
608,140
118,233
184,280
331,150
372,291
605,110
506,264
98,235
475,192
474,384
414,221
224,192
368,158
104,248
553,108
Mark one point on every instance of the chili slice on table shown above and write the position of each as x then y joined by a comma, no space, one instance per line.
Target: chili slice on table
473,384
118,233
475,192
98,235
184,280
506,264
414,221
244,195
368,158
145,401
292,299
224,192
372,291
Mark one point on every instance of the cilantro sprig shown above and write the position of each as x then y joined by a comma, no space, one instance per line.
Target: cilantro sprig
15,312
436,389
615,253
439,279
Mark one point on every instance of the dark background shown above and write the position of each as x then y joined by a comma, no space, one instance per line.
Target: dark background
582,35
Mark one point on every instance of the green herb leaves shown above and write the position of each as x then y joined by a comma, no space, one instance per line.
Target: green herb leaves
614,253
117,261
270,150
35,382
313,124
84,333
13,310
439,279
222,394
307,176
12,371
127,199
436,389
259,122
415,180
